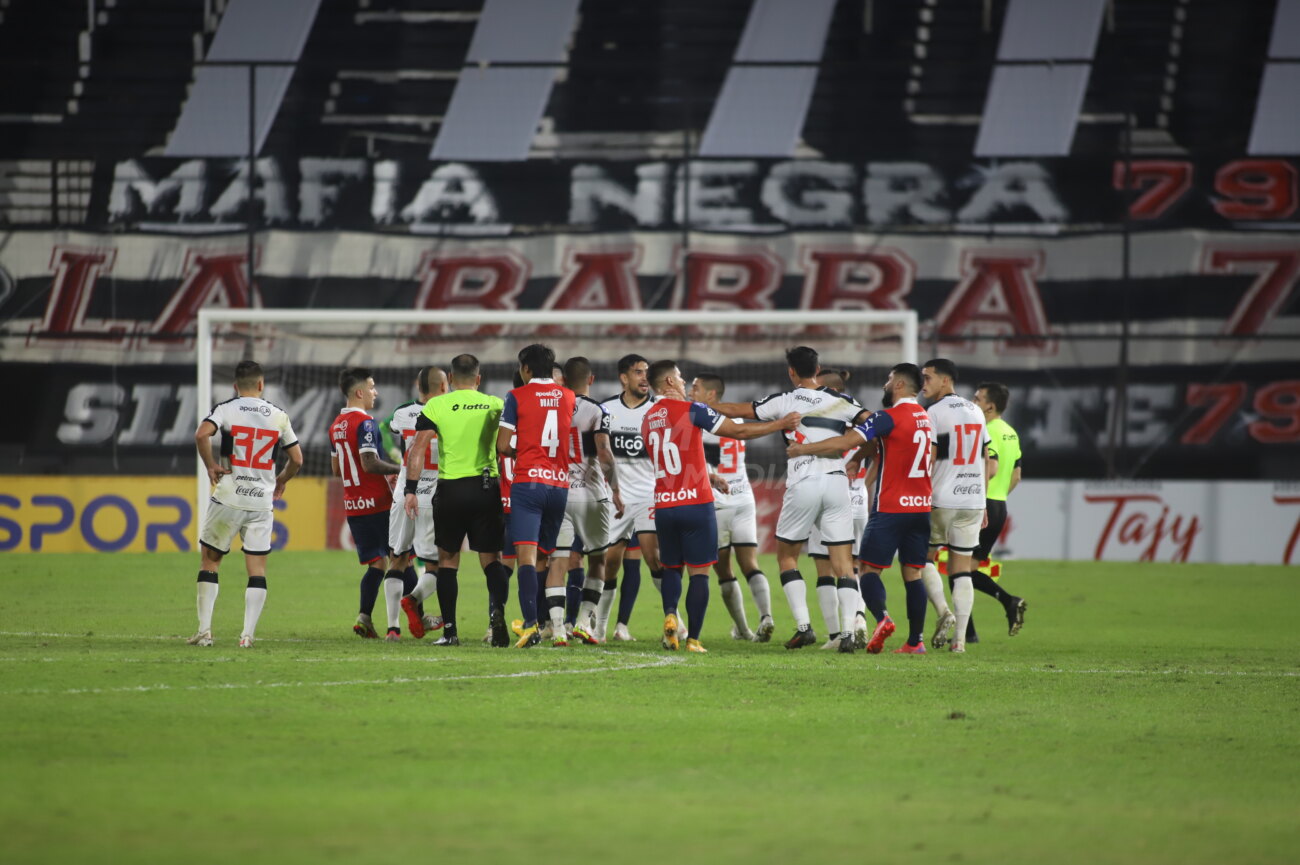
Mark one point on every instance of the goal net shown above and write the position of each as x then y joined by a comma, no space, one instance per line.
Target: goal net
302,352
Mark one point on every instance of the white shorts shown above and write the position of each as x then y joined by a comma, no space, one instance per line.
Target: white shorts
423,542
817,549
737,524
586,519
956,528
223,521
817,500
401,528
637,517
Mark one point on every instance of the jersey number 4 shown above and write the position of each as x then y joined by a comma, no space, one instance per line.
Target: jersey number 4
251,447
667,456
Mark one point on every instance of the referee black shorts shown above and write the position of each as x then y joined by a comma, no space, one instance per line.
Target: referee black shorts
462,508
997,511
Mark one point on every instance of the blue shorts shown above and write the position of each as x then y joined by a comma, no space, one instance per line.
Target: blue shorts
507,540
688,535
370,534
536,511
905,534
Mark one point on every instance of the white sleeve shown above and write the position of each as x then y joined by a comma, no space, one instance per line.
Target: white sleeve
772,407
287,436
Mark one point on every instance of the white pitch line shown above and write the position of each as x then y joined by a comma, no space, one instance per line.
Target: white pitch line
395,680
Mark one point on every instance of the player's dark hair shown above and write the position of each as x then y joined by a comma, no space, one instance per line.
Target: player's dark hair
833,378
464,368
425,378
628,361
577,369
911,372
518,380
247,374
803,360
943,366
712,381
995,392
659,371
539,359
351,377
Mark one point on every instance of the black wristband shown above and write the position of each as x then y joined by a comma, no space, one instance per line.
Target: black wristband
411,485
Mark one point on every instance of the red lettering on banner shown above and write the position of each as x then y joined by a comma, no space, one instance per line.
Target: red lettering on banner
210,280
477,281
1224,399
1138,527
597,280
730,281
1279,401
1278,270
998,291
1256,189
1294,540
856,279
75,273
1166,182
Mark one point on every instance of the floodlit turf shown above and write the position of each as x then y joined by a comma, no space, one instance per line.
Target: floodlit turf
1147,713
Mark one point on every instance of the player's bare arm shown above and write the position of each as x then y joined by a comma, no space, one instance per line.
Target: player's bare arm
371,463
203,441
291,468
829,448
504,447
732,430
716,481
744,410
605,459
1015,479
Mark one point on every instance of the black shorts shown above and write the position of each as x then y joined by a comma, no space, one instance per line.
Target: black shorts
463,509
997,511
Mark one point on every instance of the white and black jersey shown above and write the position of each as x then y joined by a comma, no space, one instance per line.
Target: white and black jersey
727,457
636,472
253,432
586,480
402,426
827,414
960,442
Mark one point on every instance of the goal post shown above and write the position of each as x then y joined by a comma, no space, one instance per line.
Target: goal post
303,350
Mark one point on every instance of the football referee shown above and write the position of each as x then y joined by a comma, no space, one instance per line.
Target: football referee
467,500
991,398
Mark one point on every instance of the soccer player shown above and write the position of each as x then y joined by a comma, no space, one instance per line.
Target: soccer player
900,516
817,488
594,498
991,397
737,520
961,465
636,481
537,418
354,437
467,503
687,528
406,535
252,432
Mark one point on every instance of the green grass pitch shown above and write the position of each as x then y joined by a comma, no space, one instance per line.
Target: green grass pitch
1148,713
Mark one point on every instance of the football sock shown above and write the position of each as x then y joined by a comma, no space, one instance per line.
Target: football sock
254,600
527,579
207,598
933,585
606,603
916,602
697,602
963,601
393,584
849,598
796,593
989,586
425,586
498,583
448,592
409,578
592,589
735,601
830,604
671,588
631,586
761,591
555,605
573,594
370,581
873,594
